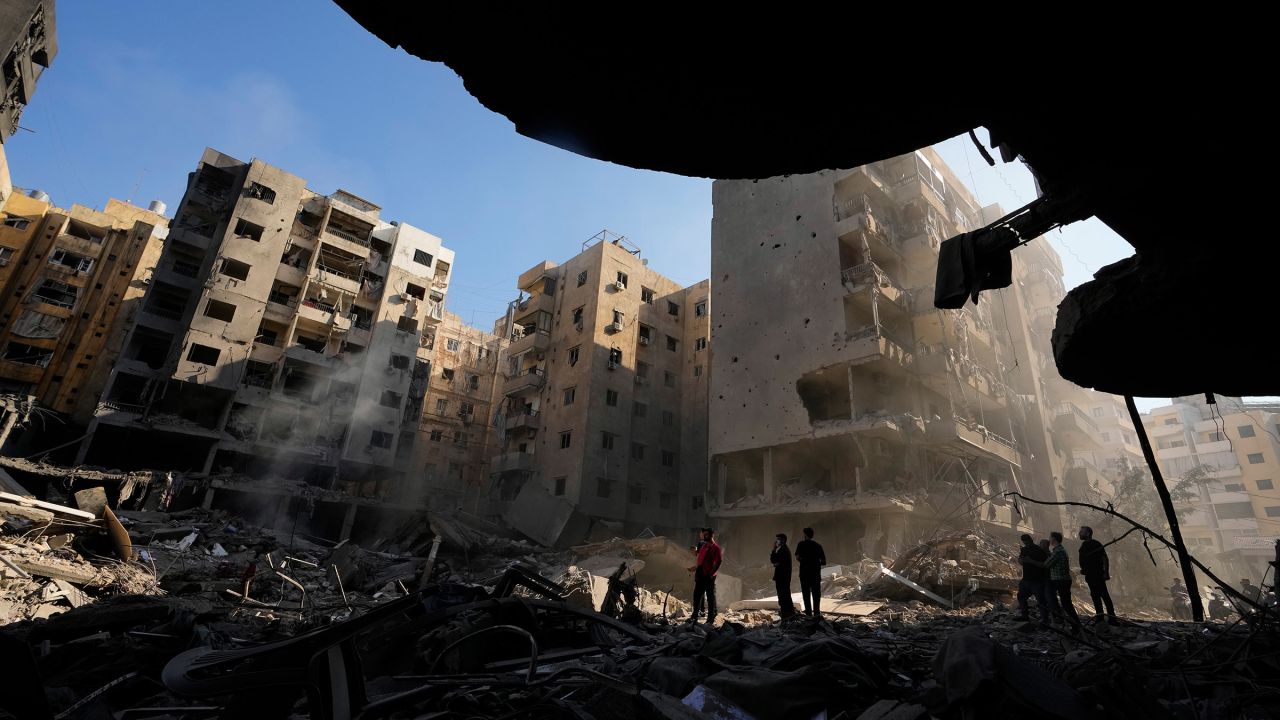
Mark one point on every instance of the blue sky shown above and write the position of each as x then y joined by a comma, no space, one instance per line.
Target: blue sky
139,89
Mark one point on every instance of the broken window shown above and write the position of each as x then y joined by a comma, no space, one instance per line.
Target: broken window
35,324
582,278
149,346
646,295
246,229
639,409
668,458
261,192
672,343
256,374
390,399
234,269
17,223
203,354
466,410
606,440
70,260
473,382
604,486
622,280
573,355
611,398
700,344
673,309
566,439
380,439
452,345
577,317
615,358
637,451
406,324
399,362
314,344
27,354
6,255
559,485
437,435
422,257
442,407
416,291
569,395
1246,431
635,494
700,309
56,293
219,310
446,374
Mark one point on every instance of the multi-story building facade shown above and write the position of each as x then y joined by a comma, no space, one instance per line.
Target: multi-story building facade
70,279
279,336
1234,512
605,390
842,399
28,39
448,451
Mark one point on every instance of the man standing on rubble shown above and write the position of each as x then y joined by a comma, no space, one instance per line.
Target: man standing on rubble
811,558
1060,578
780,558
704,576
1035,579
1097,571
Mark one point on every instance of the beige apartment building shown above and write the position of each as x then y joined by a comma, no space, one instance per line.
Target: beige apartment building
28,43
842,399
605,398
279,337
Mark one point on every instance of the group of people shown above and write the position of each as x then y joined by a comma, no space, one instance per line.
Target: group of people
808,555
1046,575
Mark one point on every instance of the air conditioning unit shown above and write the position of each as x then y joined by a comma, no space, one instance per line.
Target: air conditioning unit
644,339
619,286
615,327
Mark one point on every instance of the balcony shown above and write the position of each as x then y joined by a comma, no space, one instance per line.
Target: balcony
290,275
512,462
875,342
523,421
864,178
1224,473
1214,446
336,279
299,352
868,274
914,186
1080,477
1076,427
533,305
538,340
348,242
958,433
939,368
1173,452
1239,524
80,246
269,354
1162,430
1230,496
532,379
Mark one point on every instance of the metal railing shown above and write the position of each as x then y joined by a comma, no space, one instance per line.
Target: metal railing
1072,409
347,235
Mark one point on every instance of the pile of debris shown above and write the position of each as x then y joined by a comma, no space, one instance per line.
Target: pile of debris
951,569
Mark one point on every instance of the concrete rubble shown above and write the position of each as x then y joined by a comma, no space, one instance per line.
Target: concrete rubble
198,613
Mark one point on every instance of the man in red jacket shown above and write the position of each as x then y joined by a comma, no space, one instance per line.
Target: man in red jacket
704,575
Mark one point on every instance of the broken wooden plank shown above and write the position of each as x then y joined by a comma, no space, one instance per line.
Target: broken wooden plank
59,510
914,586
26,513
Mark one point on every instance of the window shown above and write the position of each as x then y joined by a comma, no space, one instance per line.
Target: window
234,269
672,343
17,223
673,309
639,409
668,458
577,317
6,254
1246,431
615,358
399,362
203,354
442,406
560,481
422,257
473,381
697,371
642,369
668,378
1273,511
622,280
573,355
390,399
1234,511
606,440
700,344
1256,459
261,192
582,278
246,229
635,494
1128,436
466,409
458,438
219,310
452,345
437,435
416,291
566,439
700,309
1265,485
1233,487
697,502
646,334
646,295
1098,412
668,418
446,374
28,354
570,394
380,439
611,398
1215,437
666,501
637,451
1171,421
603,487
407,324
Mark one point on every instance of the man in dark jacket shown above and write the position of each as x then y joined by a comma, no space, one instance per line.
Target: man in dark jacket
1035,580
811,558
1096,569
780,558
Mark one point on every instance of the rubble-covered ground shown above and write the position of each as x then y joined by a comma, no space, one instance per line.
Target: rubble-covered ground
196,614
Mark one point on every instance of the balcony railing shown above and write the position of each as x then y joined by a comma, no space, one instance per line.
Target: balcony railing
347,235
1071,409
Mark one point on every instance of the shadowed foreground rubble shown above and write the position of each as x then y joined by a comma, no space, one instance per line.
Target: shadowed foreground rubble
451,617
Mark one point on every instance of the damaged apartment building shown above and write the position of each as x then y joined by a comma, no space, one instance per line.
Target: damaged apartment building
29,42
605,398
842,399
279,337
70,281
